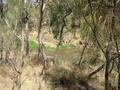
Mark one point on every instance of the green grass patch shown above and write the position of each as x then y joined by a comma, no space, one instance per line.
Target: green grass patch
48,46
33,45
65,46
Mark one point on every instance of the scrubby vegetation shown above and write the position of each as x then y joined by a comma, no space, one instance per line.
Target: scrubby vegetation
59,45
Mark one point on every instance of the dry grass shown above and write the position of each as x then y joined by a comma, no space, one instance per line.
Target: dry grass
61,73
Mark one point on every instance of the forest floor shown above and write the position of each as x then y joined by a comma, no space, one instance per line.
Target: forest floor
61,71
69,39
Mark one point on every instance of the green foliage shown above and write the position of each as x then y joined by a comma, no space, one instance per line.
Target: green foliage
48,46
33,44
13,11
58,9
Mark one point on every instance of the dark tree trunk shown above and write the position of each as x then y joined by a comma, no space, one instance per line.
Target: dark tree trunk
1,15
40,47
107,64
1,9
61,31
1,48
24,16
107,52
116,40
96,71
82,54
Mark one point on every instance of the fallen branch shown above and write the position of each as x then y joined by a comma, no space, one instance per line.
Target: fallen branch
96,71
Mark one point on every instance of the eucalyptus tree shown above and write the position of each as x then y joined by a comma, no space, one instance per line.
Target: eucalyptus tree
3,11
24,17
1,38
93,28
41,54
11,19
100,19
97,23
58,12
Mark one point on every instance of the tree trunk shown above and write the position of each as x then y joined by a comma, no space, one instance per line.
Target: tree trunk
41,54
24,20
107,52
116,40
107,65
62,29
25,42
61,32
1,47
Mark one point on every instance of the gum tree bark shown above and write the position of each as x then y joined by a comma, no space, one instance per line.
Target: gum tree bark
1,47
107,62
25,43
115,40
62,28
1,31
41,54
24,22
107,52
